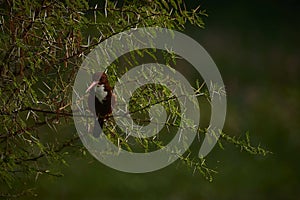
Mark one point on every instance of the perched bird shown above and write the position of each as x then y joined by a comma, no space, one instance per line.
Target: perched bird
104,100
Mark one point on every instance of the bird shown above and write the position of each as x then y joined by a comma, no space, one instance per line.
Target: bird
101,108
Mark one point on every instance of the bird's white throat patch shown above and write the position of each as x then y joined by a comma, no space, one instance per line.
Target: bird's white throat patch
100,93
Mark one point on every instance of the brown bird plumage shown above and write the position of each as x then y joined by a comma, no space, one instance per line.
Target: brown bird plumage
101,91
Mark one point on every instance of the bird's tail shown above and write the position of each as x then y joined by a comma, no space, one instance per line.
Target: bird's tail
98,129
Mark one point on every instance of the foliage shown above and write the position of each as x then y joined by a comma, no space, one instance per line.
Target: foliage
42,45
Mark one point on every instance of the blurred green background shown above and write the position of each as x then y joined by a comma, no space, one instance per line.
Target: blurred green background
255,44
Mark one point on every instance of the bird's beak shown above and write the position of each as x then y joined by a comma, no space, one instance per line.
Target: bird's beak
93,84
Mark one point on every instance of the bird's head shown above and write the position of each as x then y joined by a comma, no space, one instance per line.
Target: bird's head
98,79
99,85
